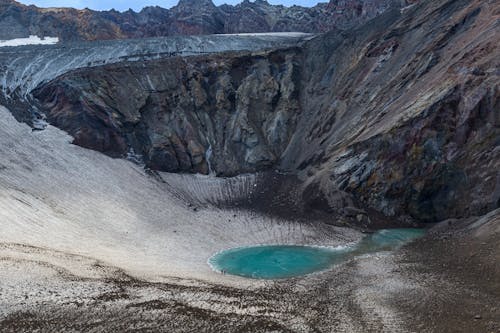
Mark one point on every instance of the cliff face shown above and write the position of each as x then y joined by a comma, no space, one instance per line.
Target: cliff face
406,119
24,68
399,117
187,18
236,112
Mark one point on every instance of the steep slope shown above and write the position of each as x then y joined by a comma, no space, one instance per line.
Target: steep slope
188,17
391,116
26,67
407,118
173,112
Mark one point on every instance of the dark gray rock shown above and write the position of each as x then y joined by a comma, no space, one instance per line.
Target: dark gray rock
188,17
172,111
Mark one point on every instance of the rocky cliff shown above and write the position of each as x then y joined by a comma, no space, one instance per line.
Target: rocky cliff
399,117
234,113
406,119
188,17
24,68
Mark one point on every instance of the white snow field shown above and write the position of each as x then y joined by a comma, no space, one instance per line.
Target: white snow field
77,209
31,40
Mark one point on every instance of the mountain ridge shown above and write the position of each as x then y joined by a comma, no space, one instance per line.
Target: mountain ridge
188,17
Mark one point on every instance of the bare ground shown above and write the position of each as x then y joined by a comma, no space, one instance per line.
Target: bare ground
445,282
81,250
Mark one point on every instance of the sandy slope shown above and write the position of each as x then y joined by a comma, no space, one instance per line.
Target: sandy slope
58,196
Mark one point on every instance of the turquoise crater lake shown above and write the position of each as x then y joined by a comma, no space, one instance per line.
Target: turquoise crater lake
285,261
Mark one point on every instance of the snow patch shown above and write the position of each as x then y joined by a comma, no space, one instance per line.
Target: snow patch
31,40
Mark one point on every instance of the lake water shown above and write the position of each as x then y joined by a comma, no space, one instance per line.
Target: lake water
284,261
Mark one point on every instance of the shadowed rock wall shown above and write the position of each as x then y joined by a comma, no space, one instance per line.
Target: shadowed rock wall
236,113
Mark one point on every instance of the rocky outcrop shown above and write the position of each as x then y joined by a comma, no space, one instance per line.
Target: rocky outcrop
188,17
399,117
24,68
231,113
406,118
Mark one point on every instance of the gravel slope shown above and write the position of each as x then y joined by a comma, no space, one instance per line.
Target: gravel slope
82,250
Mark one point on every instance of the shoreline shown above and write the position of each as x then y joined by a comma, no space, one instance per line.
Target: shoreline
368,294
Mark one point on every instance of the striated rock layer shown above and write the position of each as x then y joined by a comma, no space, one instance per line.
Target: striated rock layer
406,118
400,116
24,68
174,112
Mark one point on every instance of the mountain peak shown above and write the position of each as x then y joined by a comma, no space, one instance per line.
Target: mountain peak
195,3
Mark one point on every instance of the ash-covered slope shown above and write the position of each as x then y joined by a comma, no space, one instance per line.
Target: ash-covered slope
188,17
399,117
62,197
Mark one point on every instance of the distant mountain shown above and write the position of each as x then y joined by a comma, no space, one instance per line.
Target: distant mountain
188,17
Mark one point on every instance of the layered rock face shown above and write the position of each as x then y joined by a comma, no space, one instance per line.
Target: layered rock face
24,68
187,18
399,117
231,113
406,119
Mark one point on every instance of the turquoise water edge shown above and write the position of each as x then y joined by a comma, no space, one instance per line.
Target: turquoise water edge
285,261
